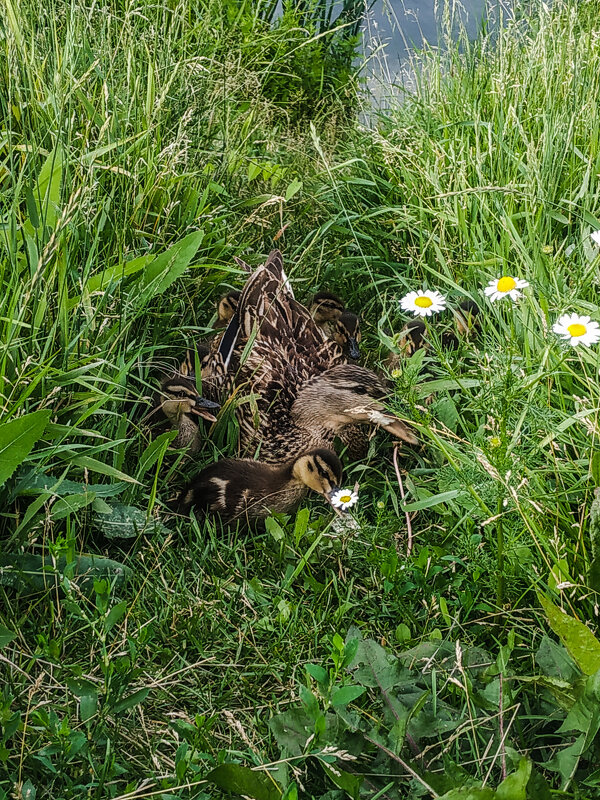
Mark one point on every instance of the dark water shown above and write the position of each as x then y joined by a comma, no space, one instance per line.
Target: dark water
393,28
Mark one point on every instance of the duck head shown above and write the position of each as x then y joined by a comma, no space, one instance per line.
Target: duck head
347,394
180,398
347,334
320,470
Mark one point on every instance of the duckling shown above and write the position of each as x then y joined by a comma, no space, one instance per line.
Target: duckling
226,308
249,491
181,404
336,322
412,336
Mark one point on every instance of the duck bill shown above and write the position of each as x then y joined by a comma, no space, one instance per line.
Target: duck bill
353,349
392,423
401,431
204,409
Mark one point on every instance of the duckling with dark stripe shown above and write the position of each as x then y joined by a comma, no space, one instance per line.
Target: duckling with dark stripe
337,322
182,405
249,491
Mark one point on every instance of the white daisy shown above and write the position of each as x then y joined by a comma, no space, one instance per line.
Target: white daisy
344,499
578,330
506,286
595,237
424,303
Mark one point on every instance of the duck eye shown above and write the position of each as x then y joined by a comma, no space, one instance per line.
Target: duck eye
310,467
361,390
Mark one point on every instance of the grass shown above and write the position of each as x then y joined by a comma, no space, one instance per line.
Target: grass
130,132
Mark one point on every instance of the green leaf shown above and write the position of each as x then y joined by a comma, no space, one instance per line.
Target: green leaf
6,636
301,524
344,780
17,439
317,672
154,452
38,574
118,272
92,464
566,759
126,522
595,467
581,643
242,781
375,667
168,267
584,716
87,694
40,482
71,503
555,662
28,791
291,730
445,385
46,192
114,615
434,500
273,528
346,694
131,700
470,793
514,786
292,189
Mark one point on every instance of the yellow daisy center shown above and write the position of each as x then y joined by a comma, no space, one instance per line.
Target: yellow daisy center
345,498
506,284
576,329
423,302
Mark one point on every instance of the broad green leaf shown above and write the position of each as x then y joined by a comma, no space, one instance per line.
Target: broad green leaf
291,730
114,615
346,694
317,672
39,482
445,385
344,780
514,786
470,793
46,192
274,529
243,781
581,643
301,524
555,662
434,500
28,791
292,189
131,700
584,716
375,667
36,573
101,280
126,522
6,636
87,694
168,266
566,759
17,439
70,504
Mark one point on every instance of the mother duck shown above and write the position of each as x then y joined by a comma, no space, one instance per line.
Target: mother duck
300,393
